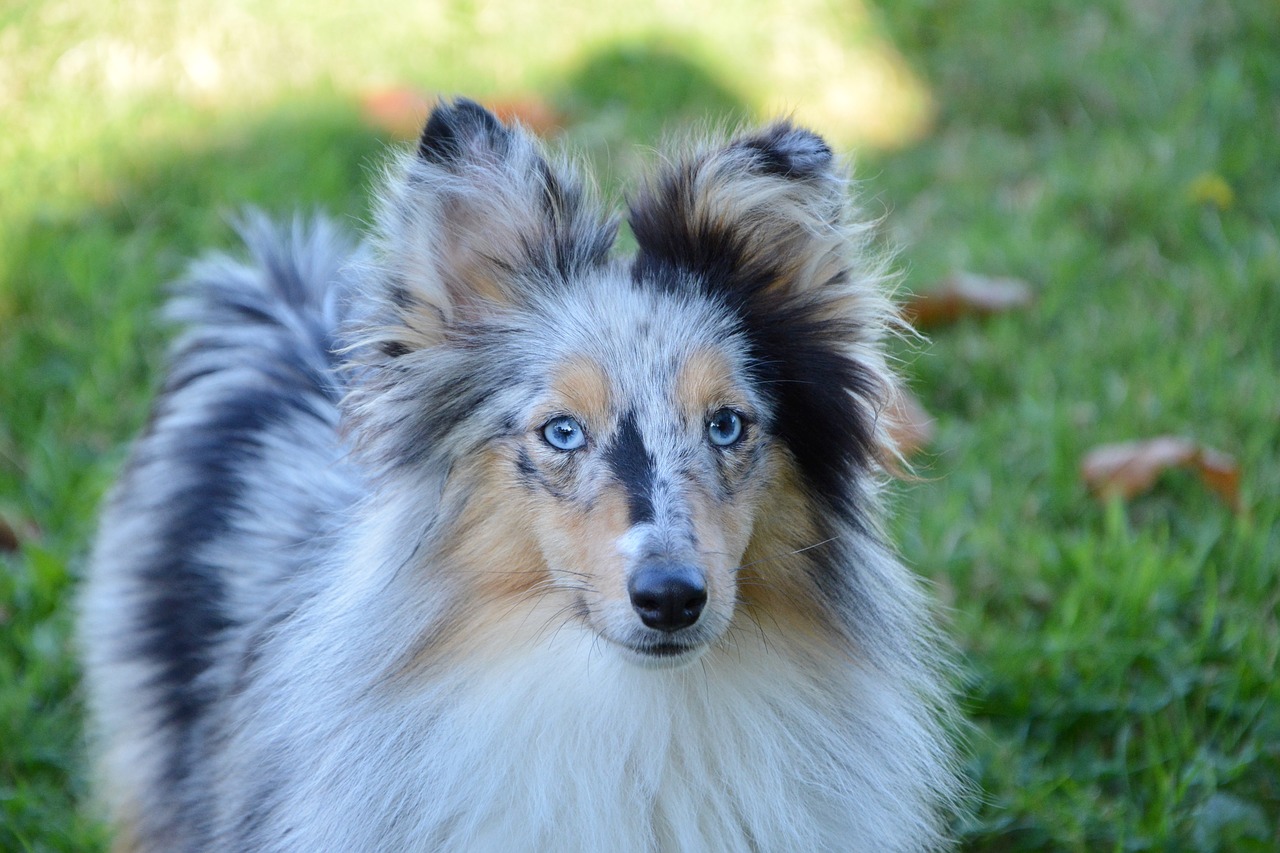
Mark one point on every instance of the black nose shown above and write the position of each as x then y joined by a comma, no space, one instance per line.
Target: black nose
667,596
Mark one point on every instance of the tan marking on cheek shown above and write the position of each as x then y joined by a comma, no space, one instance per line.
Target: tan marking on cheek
722,527
705,380
547,554
774,584
489,563
491,546
584,390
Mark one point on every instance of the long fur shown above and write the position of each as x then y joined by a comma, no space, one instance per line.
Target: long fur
346,596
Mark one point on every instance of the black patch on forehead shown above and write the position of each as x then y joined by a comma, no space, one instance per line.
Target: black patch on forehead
633,465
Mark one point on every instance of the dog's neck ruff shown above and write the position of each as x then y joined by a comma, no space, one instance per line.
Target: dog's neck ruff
562,744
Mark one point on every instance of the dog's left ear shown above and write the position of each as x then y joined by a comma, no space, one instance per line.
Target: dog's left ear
475,219
762,217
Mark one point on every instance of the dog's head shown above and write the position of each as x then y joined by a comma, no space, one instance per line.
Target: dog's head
647,446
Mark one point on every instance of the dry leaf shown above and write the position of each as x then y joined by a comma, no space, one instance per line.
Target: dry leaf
911,427
8,536
14,530
401,111
965,294
1131,468
1220,472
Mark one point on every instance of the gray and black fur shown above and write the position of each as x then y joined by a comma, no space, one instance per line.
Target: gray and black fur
477,536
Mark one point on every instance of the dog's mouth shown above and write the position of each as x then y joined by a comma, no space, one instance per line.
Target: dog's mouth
668,649
651,648
661,654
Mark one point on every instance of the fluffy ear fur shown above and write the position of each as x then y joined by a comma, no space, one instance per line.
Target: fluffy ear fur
763,215
764,224
473,225
475,219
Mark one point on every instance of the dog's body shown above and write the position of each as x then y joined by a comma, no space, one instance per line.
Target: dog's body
574,554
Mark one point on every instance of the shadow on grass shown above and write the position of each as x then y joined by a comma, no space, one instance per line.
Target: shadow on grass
646,87
81,286
79,293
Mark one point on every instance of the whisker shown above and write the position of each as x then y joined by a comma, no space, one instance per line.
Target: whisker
783,554
542,589
567,609
527,572
764,635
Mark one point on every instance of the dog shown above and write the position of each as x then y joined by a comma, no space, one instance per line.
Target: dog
476,536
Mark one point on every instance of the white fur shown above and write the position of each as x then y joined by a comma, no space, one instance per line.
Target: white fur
542,738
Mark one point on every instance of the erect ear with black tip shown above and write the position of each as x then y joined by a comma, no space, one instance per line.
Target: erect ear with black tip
768,211
454,129
474,219
788,152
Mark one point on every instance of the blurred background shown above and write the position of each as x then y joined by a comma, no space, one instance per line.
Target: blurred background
1085,197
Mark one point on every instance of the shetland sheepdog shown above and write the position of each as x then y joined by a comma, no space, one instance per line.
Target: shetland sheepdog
477,536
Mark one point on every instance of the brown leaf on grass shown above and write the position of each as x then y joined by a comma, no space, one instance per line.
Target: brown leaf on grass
15,530
911,427
964,294
1130,468
401,111
1220,472
8,536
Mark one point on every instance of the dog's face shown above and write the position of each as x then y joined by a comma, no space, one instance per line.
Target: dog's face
643,455
640,443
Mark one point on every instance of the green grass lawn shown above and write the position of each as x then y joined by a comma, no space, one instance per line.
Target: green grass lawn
1119,659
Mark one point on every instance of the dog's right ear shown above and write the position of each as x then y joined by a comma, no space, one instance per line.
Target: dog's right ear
474,220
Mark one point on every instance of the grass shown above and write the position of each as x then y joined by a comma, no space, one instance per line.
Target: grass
1119,658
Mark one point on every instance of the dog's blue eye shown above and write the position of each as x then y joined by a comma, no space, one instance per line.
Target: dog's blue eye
725,428
564,433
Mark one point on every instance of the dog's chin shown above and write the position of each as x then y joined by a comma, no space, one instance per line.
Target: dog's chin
666,654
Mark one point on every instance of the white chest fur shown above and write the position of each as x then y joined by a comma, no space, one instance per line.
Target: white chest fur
563,745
